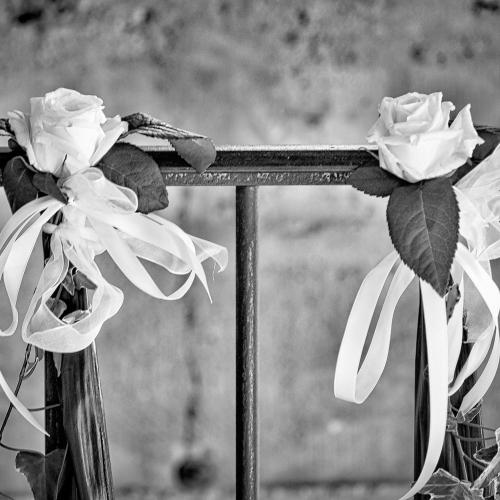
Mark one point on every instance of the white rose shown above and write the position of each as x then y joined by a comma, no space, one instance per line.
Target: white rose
65,128
414,139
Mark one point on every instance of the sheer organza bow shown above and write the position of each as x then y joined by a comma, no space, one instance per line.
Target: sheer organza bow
478,194
99,216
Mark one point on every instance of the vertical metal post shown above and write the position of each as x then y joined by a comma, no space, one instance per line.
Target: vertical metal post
247,483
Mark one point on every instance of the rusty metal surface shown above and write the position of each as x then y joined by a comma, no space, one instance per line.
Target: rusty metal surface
261,165
247,483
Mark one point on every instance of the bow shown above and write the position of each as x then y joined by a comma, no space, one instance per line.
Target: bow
478,194
99,216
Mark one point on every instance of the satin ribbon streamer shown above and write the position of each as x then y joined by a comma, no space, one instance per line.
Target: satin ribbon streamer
478,194
99,216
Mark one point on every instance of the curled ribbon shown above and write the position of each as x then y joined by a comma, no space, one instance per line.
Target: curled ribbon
99,216
478,195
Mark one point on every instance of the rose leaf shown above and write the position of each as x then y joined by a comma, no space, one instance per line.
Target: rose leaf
423,225
17,181
46,183
129,166
491,136
5,128
41,471
197,150
443,485
374,181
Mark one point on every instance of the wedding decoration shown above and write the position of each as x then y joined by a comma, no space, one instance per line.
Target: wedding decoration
443,216
73,179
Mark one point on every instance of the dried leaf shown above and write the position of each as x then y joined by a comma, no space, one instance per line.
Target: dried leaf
17,181
46,183
129,166
199,153
374,181
41,471
423,225
197,150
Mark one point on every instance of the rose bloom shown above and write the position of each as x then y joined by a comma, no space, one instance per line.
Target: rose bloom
65,131
414,139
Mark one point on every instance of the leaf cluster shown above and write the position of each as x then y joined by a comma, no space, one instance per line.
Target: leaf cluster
444,485
423,217
197,150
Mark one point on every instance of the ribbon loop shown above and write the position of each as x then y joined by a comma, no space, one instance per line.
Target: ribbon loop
99,216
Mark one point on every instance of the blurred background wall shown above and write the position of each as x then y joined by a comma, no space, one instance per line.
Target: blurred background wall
252,71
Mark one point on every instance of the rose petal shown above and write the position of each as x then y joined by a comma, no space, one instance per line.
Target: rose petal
113,129
470,138
20,124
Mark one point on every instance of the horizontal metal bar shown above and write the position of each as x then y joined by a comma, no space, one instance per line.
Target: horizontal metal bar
261,165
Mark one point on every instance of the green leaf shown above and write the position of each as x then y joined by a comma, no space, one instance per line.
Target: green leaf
129,166
14,146
423,225
486,454
492,469
375,181
443,485
17,181
41,471
491,136
46,183
197,150
5,128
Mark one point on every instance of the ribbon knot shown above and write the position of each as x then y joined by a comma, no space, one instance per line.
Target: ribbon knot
99,216
478,195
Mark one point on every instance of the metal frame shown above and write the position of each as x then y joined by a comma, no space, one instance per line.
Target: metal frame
246,168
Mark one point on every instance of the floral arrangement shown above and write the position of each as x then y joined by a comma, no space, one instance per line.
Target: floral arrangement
443,183
73,179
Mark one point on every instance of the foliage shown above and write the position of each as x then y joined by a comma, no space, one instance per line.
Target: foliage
375,181
41,471
46,183
443,485
423,225
129,166
197,150
18,183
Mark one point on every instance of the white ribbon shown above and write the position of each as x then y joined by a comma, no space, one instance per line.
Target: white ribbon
478,194
100,216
